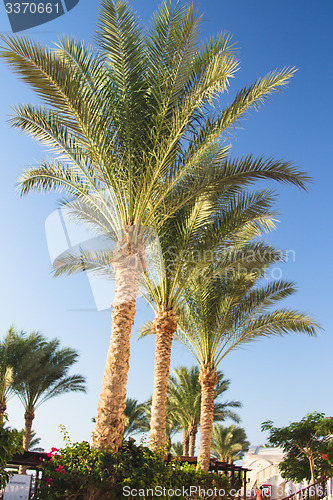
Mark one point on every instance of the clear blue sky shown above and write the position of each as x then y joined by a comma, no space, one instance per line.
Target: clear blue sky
281,379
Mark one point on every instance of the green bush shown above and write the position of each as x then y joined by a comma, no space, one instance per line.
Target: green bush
80,472
10,444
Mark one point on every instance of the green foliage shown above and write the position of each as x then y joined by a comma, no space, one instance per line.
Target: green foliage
229,443
34,443
303,442
136,419
184,397
10,444
77,470
177,448
233,309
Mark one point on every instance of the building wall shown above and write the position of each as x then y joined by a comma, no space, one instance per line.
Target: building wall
264,465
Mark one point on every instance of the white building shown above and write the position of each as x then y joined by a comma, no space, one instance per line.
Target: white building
264,465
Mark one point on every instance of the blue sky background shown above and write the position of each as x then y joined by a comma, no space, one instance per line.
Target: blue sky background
281,378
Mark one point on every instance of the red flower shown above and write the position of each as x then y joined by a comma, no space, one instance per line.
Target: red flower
324,457
48,480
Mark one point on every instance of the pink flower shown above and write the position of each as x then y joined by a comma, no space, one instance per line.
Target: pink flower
48,480
53,450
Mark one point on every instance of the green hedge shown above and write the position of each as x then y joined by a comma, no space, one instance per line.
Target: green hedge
81,472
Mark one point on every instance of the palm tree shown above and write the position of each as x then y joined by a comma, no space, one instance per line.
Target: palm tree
135,418
177,448
15,363
129,128
221,223
47,376
229,443
223,313
184,396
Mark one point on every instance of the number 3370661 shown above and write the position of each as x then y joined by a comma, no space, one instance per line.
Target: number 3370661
31,8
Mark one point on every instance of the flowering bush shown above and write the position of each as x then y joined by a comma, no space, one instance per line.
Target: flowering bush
80,472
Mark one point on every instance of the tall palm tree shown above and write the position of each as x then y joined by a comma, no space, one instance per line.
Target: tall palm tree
129,126
229,443
223,223
135,418
223,313
184,395
47,366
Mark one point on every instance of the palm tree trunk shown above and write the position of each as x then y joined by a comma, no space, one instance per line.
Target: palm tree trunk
29,416
165,324
185,443
111,407
3,408
208,380
192,435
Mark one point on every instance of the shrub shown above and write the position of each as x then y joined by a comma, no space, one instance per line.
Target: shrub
80,472
10,444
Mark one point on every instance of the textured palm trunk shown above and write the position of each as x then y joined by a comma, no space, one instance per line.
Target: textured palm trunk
208,381
193,429
165,324
109,427
186,441
29,416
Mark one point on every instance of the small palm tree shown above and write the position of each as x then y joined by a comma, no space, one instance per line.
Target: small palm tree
229,443
223,313
129,127
177,449
45,367
184,396
135,418
15,365
34,443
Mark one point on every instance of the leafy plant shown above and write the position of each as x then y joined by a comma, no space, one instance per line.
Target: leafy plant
308,446
10,444
78,471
